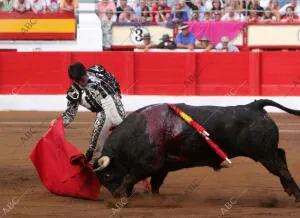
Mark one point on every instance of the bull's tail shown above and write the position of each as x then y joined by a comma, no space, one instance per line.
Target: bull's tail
260,104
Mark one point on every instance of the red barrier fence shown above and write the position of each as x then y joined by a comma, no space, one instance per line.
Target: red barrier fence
245,73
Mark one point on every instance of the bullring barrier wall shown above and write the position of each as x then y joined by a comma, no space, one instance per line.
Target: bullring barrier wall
38,81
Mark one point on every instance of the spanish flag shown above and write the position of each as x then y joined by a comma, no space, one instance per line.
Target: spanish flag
31,26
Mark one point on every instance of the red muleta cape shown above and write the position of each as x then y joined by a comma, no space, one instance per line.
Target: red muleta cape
62,167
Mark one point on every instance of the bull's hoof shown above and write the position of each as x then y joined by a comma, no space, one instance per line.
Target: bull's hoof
155,192
288,191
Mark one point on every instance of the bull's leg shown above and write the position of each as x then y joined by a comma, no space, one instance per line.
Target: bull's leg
157,180
281,154
277,166
126,188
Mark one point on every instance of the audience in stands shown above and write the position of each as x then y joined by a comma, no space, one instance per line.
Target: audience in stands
178,15
68,5
199,7
22,6
146,15
204,43
254,5
268,16
167,43
216,16
226,46
147,43
195,16
105,5
52,5
140,7
109,16
38,6
127,15
231,15
290,16
253,15
216,6
6,5
293,3
130,3
121,7
160,11
185,39
143,12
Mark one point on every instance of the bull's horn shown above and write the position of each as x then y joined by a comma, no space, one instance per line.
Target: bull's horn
103,162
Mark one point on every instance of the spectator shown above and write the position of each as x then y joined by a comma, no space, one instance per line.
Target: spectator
274,6
127,15
22,6
216,16
52,5
253,17
166,43
295,4
254,4
225,46
216,6
231,15
207,16
178,15
130,3
140,7
204,44
105,5
209,4
290,16
195,16
109,16
38,6
120,9
243,6
268,16
161,11
68,5
185,39
147,43
199,6
146,15
6,5
106,23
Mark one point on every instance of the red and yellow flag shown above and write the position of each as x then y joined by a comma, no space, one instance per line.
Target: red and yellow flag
31,26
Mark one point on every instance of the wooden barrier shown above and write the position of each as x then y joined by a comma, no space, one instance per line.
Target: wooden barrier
146,73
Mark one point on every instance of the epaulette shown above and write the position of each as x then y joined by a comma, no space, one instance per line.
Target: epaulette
74,93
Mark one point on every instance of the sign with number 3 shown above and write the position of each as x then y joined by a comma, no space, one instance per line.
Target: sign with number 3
137,33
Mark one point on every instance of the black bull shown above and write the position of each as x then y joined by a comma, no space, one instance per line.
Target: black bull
153,141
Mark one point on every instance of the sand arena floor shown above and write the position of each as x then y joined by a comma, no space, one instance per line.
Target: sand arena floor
246,190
